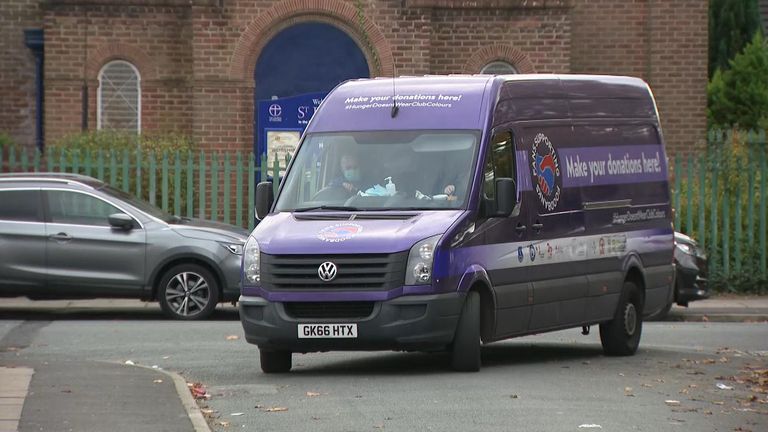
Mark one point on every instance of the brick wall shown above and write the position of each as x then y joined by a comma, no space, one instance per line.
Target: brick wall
197,58
17,70
661,41
81,37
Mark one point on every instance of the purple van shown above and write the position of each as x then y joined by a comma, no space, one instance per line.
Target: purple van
446,212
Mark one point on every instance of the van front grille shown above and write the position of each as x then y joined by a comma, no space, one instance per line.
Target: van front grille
329,310
363,272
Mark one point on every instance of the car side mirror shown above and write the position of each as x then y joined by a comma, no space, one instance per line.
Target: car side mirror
265,196
121,221
505,197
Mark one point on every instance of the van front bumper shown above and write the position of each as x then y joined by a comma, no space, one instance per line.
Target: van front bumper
408,323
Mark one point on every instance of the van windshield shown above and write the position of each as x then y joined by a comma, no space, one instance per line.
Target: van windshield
383,170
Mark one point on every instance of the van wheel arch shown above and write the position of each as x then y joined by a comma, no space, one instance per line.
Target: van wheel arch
487,310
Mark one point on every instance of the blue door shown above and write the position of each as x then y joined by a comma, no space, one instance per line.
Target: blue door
305,58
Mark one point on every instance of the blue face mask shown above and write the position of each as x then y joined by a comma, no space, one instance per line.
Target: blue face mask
352,175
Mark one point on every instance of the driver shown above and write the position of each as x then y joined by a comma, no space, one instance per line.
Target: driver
350,178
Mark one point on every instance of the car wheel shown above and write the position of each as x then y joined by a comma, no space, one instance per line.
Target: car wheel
188,292
275,361
621,335
465,351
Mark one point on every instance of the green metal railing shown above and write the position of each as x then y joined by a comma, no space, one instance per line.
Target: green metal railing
719,193
720,198
209,185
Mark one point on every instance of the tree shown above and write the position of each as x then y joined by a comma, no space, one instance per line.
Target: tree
732,23
738,96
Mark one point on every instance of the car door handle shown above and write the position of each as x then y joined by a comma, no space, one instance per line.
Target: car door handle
537,226
61,237
520,228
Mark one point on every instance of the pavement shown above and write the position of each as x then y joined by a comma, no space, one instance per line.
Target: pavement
100,394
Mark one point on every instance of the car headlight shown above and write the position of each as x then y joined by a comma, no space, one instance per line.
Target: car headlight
235,248
420,260
686,248
252,262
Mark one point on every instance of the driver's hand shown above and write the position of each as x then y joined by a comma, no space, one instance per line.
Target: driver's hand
449,190
350,187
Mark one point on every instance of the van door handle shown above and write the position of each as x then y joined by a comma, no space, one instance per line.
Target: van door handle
520,228
537,226
61,237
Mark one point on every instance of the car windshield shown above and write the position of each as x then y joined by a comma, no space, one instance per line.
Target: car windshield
139,204
385,170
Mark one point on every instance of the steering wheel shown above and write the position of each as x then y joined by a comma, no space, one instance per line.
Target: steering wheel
330,193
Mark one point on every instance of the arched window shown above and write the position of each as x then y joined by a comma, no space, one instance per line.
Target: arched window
498,68
119,97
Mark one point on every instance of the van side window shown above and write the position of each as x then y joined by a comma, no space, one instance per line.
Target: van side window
499,163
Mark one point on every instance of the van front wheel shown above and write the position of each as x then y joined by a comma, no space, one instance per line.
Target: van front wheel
465,351
621,335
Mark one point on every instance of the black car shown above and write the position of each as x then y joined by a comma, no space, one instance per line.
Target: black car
690,273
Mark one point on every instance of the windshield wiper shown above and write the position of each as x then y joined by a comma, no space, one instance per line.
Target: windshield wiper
327,207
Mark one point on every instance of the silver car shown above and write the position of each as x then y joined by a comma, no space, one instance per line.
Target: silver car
66,236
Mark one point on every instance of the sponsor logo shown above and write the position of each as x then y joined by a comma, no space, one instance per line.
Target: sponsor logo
532,252
339,232
545,169
327,271
520,254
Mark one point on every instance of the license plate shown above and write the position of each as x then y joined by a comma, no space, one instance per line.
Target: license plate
314,331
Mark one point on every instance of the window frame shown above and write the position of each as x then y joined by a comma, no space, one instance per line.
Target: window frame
99,115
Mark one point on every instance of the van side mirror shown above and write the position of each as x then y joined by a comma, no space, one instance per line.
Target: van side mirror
121,221
505,197
264,198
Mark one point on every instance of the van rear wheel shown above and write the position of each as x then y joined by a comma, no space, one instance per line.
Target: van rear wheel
465,351
621,335
277,361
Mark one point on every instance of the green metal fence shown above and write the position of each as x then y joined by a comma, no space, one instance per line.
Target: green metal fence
217,186
720,198
719,193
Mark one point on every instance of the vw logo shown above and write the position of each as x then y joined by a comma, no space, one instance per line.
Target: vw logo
275,110
327,271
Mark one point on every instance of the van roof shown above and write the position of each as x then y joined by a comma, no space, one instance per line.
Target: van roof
461,101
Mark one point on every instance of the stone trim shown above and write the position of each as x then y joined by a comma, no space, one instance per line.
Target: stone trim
339,13
507,53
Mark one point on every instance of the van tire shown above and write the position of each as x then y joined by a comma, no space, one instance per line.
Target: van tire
465,350
621,335
277,361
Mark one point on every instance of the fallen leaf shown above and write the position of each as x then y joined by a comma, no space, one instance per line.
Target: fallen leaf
130,363
514,396
646,385
233,337
722,386
683,391
312,394
276,409
198,391
157,381
259,406
223,423
672,402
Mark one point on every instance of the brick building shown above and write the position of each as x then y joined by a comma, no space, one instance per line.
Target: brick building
198,66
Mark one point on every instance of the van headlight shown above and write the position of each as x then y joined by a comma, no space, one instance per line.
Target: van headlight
252,262
420,260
